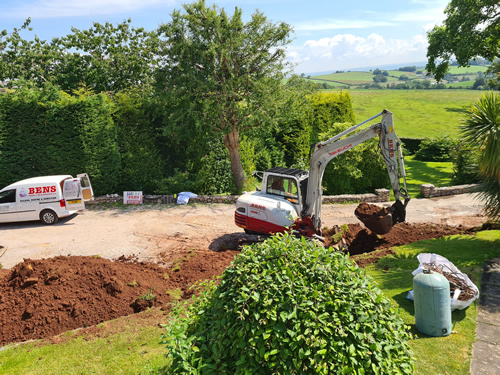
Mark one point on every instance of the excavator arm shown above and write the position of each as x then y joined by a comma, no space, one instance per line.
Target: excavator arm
324,152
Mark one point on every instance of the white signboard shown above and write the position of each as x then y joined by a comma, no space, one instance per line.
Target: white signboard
132,197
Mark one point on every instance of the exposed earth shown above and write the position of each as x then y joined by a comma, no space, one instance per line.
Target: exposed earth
103,264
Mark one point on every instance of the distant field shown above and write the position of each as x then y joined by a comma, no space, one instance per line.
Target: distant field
354,78
329,82
470,69
358,77
461,84
362,78
416,113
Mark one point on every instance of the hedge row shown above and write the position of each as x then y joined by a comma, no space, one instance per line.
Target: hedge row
120,141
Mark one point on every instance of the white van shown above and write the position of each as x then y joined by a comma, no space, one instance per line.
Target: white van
45,198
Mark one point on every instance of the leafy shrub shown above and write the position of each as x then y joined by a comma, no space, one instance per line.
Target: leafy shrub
465,165
214,175
436,149
411,145
358,171
179,182
289,306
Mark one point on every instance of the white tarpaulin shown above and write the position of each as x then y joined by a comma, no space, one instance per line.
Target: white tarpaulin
442,262
183,197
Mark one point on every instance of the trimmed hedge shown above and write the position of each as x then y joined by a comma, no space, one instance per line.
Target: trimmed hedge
46,132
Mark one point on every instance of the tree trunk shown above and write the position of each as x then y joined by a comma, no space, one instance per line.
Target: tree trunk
232,142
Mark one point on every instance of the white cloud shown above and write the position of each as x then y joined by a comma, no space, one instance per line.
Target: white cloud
320,25
344,51
65,8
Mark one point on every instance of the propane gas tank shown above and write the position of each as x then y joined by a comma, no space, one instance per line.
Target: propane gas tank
431,293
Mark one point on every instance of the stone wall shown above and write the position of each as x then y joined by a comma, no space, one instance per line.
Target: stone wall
429,190
381,195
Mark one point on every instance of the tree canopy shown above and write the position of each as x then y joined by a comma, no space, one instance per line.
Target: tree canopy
105,57
222,74
471,29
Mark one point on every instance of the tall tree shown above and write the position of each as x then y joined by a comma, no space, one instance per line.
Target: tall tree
481,129
220,74
471,29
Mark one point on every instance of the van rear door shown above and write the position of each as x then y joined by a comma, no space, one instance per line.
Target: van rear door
72,194
88,193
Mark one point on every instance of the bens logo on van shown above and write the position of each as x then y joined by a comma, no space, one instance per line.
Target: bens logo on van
41,190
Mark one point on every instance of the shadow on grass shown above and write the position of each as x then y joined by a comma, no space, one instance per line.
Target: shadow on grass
438,174
455,109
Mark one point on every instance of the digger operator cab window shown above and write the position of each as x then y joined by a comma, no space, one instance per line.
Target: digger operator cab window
286,187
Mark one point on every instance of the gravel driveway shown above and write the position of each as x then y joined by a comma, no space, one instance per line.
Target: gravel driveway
148,231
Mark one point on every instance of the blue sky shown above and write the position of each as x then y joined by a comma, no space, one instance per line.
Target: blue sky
329,35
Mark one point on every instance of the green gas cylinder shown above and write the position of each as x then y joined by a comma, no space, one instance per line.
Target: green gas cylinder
431,295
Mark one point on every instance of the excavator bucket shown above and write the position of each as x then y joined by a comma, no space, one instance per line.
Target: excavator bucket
380,220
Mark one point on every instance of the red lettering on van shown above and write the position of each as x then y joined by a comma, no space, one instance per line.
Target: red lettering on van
42,190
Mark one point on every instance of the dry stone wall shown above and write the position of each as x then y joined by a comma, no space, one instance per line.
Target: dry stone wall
381,195
429,190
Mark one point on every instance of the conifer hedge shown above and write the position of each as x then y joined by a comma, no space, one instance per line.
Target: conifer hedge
46,132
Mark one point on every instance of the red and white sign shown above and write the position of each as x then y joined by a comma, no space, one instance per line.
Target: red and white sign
132,197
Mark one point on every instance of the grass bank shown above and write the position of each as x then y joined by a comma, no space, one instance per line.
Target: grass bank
425,172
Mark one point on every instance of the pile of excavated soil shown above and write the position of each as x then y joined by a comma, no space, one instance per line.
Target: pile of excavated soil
43,298
360,240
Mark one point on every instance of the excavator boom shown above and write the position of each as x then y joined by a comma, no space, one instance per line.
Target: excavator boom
292,198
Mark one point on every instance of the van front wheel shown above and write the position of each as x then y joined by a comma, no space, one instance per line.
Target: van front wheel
48,217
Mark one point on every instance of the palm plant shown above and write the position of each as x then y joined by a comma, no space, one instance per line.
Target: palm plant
481,129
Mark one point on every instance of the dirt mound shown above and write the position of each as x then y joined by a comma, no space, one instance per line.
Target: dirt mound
375,218
41,298
361,240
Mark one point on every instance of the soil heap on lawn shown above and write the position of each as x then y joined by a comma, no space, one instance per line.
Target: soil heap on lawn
43,298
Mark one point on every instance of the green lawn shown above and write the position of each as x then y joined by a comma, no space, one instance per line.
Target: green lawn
421,172
443,355
416,113
464,84
128,345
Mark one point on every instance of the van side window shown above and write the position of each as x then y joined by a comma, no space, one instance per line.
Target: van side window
8,196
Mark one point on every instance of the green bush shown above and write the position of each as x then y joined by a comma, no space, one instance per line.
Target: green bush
358,171
214,174
289,306
142,165
179,182
411,145
436,149
465,165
